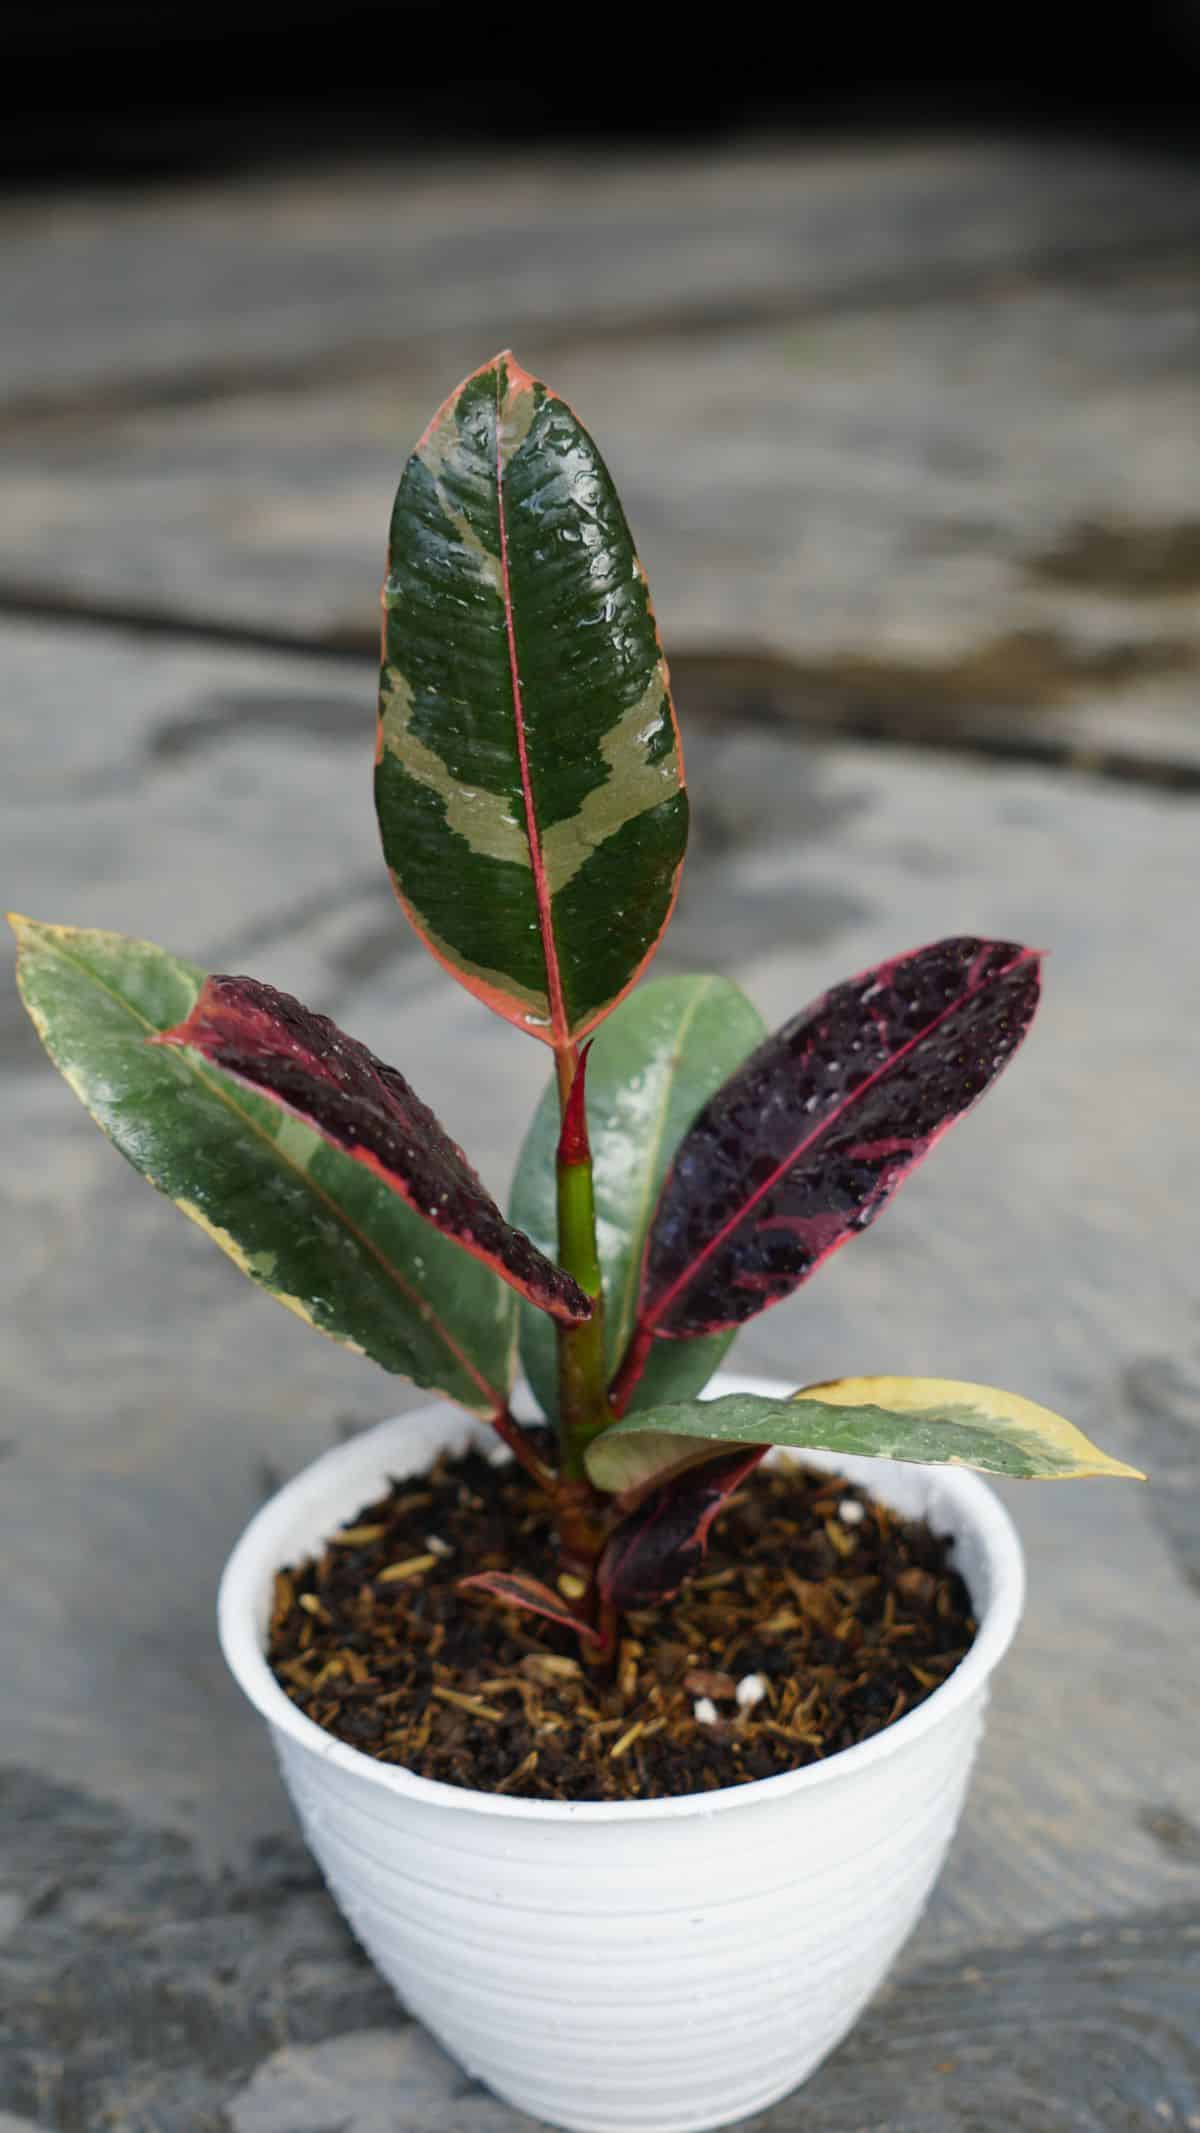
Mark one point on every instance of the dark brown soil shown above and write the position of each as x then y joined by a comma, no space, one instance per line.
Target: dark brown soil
846,1620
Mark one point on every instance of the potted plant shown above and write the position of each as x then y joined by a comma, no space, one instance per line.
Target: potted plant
629,1877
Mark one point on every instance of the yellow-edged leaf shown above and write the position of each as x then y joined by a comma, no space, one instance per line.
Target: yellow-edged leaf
929,1421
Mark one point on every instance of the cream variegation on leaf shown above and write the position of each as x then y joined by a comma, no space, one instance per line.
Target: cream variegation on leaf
529,783
933,1421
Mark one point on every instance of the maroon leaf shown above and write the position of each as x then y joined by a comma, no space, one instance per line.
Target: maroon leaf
803,1145
307,1065
663,1541
514,1589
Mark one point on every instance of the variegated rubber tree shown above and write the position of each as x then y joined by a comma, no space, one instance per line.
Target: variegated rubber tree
685,1169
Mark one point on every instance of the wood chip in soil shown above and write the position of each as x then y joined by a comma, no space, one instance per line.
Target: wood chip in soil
831,1615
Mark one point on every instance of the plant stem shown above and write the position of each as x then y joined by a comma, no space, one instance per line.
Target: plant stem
582,1393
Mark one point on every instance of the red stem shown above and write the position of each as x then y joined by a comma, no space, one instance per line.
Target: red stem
632,1364
522,1450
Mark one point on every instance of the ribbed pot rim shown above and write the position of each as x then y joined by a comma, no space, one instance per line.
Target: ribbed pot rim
974,1510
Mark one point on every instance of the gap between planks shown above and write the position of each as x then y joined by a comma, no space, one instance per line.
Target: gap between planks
33,604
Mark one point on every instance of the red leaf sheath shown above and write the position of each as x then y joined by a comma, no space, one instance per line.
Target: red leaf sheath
663,1541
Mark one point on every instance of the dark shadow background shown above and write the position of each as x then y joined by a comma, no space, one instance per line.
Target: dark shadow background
131,89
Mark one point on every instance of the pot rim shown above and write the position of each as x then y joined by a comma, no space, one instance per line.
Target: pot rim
975,1507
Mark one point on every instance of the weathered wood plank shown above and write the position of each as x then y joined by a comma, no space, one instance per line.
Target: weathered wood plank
275,2021
1076,2033
1003,2035
947,402
964,518
1084,2031
189,289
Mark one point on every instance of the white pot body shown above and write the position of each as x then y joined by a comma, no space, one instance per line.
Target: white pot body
659,1966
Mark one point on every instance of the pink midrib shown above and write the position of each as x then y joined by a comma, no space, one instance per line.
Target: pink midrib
560,1035
653,1317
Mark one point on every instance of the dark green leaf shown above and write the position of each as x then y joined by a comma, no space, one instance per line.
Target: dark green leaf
529,782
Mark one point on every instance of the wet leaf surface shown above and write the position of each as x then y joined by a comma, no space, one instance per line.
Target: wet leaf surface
529,783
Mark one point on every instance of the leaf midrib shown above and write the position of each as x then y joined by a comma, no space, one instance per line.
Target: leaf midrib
559,1027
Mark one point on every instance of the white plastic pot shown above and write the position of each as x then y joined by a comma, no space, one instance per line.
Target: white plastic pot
659,1966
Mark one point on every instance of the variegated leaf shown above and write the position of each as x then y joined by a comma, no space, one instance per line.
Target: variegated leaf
653,1064
529,784
929,1421
307,1223
359,1104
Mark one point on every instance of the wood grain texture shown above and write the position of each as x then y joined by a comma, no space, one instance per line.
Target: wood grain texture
189,291
1083,2031
957,455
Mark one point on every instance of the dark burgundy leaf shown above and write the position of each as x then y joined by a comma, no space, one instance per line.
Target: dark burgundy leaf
307,1065
663,1541
516,1590
806,1142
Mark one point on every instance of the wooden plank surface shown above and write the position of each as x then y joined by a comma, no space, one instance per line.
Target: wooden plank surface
188,289
942,483
947,399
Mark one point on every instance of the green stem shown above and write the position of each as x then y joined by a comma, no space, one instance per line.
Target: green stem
582,1375
582,1392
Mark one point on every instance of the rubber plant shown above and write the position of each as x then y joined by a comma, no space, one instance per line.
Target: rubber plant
685,1170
